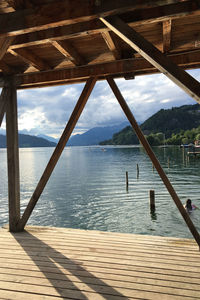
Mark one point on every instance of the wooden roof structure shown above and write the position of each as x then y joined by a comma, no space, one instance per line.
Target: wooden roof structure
54,42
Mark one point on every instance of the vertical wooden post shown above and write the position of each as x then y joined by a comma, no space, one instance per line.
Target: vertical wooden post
183,152
153,158
138,171
152,200
58,150
12,158
126,180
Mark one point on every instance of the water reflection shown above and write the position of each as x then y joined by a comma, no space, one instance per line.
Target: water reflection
88,189
153,214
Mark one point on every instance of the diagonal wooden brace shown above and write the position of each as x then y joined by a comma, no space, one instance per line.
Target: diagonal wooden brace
3,99
58,151
153,158
163,63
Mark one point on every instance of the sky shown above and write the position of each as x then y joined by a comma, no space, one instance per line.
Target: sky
47,110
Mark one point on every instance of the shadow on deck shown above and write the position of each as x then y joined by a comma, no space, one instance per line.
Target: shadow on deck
52,263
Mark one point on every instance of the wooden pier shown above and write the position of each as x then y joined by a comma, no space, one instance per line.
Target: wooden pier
57,263
51,42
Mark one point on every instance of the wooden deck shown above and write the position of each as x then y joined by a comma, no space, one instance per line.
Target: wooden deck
57,263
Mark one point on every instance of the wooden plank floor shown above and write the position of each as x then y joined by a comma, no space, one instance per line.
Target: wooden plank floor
57,263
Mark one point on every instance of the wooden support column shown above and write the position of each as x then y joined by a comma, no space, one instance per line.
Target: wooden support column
58,150
163,63
12,158
153,158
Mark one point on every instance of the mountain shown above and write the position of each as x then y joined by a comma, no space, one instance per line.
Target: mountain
48,138
26,141
167,121
95,135
124,137
173,120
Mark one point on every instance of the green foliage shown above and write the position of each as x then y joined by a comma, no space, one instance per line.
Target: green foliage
173,120
198,136
176,126
124,137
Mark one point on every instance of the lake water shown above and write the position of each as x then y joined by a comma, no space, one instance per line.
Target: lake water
87,189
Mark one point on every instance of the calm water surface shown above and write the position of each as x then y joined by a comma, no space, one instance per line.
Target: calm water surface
88,190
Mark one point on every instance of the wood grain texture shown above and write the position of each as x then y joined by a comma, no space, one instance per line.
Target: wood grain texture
56,263
58,150
147,50
46,35
154,159
12,157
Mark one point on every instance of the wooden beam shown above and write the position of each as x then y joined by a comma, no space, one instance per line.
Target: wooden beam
12,158
167,29
68,51
153,158
59,13
111,44
4,45
6,68
154,56
58,33
58,150
76,74
29,57
150,15
16,4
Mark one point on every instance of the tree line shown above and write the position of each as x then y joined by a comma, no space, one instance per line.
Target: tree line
182,137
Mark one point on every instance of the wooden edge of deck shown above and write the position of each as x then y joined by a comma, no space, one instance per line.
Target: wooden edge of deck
97,233
63,263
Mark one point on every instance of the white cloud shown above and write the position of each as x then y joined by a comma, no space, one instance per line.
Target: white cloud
150,101
70,91
46,110
165,100
31,119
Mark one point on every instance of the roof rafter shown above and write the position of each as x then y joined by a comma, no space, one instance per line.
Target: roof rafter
16,4
84,28
59,13
30,58
167,29
111,44
154,56
69,51
4,45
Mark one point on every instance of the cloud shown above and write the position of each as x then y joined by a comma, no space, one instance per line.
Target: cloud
31,118
166,100
47,110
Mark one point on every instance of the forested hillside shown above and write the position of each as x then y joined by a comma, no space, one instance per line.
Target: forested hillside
177,125
173,120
